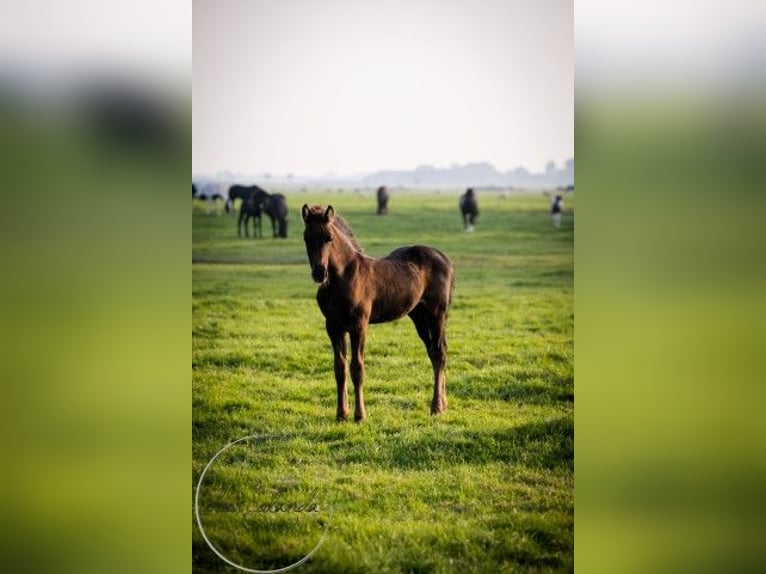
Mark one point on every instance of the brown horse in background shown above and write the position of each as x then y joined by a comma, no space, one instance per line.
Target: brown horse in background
356,290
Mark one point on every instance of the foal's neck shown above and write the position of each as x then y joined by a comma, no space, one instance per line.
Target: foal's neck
343,251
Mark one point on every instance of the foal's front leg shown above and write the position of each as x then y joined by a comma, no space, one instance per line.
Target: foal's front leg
338,339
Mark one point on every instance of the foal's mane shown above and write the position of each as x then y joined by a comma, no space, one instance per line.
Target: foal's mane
316,213
343,226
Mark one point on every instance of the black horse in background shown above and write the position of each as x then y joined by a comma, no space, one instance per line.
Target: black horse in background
256,202
242,192
557,205
251,197
275,206
250,208
469,208
382,200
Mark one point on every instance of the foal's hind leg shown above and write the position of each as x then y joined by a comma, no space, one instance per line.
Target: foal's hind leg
432,331
439,360
420,318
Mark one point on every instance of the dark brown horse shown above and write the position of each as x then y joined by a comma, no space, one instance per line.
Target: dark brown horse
382,200
250,208
275,206
247,209
469,209
255,202
356,290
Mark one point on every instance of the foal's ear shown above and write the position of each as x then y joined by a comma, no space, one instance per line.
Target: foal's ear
329,214
305,211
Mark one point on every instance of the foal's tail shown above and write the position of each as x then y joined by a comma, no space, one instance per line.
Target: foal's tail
443,269
451,286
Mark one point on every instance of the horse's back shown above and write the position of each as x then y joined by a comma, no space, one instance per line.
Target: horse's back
420,255
405,278
436,267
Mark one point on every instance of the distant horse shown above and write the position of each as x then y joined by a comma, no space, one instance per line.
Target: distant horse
356,290
469,209
250,208
246,210
556,206
242,192
382,200
258,203
210,193
275,206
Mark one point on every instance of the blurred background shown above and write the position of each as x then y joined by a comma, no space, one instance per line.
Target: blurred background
95,142
670,318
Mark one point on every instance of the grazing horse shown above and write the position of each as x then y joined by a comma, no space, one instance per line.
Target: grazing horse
469,209
250,208
247,209
242,192
275,206
382,200
356,290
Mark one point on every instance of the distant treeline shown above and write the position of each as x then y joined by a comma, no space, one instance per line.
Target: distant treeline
477,175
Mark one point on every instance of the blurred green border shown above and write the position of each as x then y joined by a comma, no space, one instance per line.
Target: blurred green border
96,338
670,330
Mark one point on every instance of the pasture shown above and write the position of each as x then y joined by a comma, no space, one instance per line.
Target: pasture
487,486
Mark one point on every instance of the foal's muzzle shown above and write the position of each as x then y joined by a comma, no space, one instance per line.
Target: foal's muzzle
319,273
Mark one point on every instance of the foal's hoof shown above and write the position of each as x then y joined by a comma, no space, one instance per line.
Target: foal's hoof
342,417
438,407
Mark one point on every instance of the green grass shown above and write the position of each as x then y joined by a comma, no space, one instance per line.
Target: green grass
486,487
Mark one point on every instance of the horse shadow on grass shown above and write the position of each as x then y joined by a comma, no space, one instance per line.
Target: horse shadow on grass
525,387
547,444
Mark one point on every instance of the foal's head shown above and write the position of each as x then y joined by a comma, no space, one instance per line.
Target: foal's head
318,236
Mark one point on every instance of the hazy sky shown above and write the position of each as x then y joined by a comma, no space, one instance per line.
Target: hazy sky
349,86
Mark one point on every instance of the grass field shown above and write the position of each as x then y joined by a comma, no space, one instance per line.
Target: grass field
486,487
